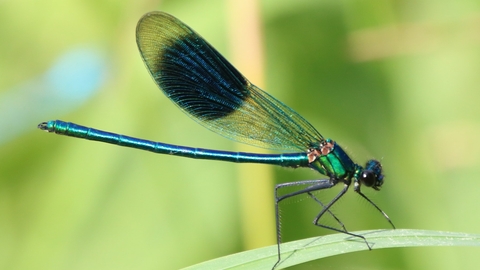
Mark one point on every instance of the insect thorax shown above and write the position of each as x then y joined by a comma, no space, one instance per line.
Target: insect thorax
331,160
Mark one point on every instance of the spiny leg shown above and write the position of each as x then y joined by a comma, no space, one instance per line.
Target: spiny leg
357,190
328,211
327,207
314,185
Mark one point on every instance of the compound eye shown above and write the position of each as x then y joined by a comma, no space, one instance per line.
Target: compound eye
368,178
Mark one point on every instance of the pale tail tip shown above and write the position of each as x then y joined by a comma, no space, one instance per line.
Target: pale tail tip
42,126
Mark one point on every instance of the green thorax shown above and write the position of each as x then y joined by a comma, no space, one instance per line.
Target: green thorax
329,159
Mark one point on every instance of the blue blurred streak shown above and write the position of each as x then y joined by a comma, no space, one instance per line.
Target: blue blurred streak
69,83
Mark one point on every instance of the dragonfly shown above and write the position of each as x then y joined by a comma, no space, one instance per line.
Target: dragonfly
204,85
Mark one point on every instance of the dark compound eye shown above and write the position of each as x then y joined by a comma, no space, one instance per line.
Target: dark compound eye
368,178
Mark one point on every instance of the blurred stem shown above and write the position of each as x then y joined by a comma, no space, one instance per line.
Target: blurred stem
255,181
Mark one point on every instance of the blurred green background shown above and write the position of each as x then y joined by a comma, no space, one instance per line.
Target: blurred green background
392,80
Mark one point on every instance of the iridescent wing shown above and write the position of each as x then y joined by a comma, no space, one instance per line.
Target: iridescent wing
204,85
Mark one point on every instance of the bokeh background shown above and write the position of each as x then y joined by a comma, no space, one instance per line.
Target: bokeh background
394,80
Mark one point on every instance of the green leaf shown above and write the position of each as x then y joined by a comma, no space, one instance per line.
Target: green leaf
301,251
